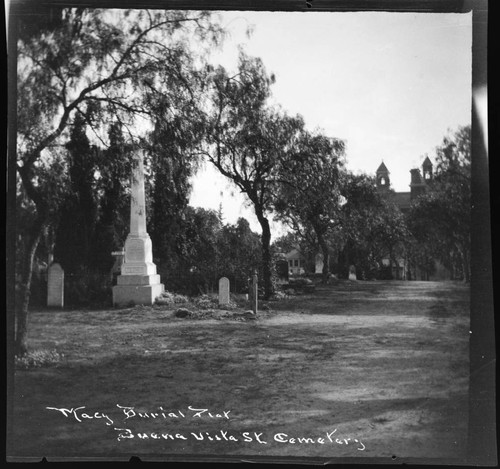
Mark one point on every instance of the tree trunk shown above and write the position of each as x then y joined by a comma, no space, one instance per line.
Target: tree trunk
347,259
35,234
396,265
465,265
326,259
21,343
463,250
266,255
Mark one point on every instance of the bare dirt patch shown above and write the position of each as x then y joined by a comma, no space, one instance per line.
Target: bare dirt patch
357,369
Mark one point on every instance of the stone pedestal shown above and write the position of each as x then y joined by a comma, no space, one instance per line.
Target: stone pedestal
138,283
125,295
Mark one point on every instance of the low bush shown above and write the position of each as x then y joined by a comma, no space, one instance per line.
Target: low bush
206,302
183,313
279,295
300,281
38,359
169,298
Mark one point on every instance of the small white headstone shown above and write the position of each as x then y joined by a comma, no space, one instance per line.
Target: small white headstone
224,291
352,273
55,286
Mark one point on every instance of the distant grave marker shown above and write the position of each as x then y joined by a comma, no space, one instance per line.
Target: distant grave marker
55,286
352,273
224,291
253,292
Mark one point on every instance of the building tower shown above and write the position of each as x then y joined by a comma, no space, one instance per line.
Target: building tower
383,181
427,170
417,184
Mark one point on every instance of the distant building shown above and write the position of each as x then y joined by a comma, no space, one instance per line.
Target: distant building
404,268
419,184
296,262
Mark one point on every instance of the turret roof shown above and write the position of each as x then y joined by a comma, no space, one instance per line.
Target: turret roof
427,162
382,168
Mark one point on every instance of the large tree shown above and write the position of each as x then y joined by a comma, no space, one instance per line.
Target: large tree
78,213
172,160
389,236
248,140
114,168
308,195
210,250
107,65
200,262
442,216
240,253
372,228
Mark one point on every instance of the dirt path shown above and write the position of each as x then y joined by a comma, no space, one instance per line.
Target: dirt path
358,369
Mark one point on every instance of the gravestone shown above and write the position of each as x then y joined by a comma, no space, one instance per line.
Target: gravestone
249,294
138,283
253,292
224,291
352,273
55,286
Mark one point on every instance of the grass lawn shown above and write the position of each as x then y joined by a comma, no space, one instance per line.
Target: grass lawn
356,369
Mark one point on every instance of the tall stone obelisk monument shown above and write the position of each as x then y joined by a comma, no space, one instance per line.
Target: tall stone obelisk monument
138,283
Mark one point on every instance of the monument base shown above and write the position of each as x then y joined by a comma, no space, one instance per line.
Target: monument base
138,280
137,293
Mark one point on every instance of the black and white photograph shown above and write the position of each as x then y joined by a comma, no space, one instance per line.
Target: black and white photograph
249,233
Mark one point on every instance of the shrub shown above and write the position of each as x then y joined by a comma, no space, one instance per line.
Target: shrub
385,273
205,314
169,298
206,302
182,313
279,295
38,359
229,306
300,281
87,288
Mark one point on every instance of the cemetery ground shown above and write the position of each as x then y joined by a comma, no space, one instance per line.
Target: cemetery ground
354,369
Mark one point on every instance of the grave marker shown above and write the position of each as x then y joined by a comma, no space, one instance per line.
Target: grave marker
138,283
255,293
55,286
223,291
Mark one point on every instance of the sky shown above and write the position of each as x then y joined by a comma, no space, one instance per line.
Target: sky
389,84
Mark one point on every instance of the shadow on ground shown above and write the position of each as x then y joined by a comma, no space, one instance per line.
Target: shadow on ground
384,373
